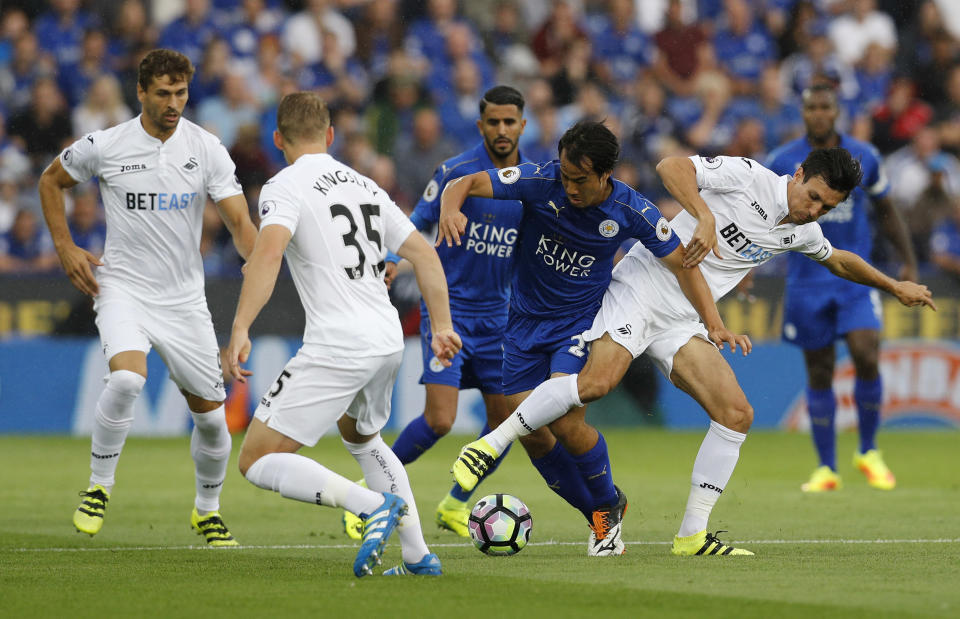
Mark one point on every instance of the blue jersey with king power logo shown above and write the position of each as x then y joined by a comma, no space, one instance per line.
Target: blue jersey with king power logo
566,256
846,226
479,270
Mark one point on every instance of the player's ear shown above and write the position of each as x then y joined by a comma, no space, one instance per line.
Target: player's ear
278,139
329,136
798,175
480,125
523,125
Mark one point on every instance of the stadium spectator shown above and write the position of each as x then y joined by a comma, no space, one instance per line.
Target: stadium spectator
947,117
575,70
945,242
131,32
44,126
302,34
60,31
214,67
426,37
191,33
816,62
935,204
802,14
874,76
9,195
13,24
395,99
646,124
224,114
417,154
17,77
253,165
544,148
75,82
553,41
461,44
85,222
929,76
379,32
743,47
506,33
854,31
679,44
338,79
25,247
14,163
246,26
900,116
458,112
748,140
620,49
909,168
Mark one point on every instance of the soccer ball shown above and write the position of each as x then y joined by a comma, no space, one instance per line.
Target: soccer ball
500,525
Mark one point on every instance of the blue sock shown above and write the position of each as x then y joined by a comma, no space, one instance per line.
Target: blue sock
559,470
822,406
597,474
415,439
462,495
868,394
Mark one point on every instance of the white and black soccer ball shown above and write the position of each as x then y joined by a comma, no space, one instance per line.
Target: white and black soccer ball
500,525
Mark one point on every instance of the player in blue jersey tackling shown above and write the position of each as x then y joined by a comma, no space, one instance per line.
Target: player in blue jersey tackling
575,217
478,277
820,308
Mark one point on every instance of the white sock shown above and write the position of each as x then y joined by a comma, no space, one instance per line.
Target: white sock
384,473
210,448
112,421
545,404
712,469
302,479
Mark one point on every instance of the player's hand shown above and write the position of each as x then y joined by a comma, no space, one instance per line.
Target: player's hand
912,295
389,273
721,335
445,344
703,241
76,264
451,227
238,351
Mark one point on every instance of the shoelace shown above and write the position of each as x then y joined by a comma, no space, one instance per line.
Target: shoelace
601,524
479,461
96,494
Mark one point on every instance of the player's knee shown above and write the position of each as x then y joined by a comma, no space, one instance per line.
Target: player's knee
593,386
125,382
738,416
440,427
245,460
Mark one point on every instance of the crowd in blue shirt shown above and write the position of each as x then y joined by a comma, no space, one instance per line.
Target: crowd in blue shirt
403,78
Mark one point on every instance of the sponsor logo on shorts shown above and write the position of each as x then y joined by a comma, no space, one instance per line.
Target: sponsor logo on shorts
436,365
430,193
609,228
663,229
509,176
626,329
790,331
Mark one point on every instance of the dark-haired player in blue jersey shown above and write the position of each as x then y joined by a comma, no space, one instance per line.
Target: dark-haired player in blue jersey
820,308
478,277
575,216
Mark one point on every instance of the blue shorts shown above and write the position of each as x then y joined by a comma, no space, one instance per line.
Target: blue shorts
815,316
535,348
479,362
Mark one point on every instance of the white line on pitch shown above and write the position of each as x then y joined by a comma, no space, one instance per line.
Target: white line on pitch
465,544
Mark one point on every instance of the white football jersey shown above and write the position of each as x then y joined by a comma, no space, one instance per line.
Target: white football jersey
747,200
342,225
154,194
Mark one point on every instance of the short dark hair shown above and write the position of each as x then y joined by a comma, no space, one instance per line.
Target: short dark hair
160,62
589,139
836,166
502,95
818,87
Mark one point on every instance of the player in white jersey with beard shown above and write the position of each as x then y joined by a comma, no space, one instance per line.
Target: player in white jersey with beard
737,215
155,174
335,227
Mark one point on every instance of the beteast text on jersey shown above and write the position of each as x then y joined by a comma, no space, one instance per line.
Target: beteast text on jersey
160,201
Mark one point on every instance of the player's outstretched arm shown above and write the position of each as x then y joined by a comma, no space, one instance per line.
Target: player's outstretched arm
679,176
236,217
695,288
894,228
259,279
433,287
74,260
849,265
452,222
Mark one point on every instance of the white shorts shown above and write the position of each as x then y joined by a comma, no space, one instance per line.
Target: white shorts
644,312
183,337
314,390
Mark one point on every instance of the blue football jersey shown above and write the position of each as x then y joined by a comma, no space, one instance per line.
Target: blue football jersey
479,270
846,226
566,254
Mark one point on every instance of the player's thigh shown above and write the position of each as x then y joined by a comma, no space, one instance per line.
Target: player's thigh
810,316
185,340
522,372
440,409
371,405
700,370
123,337
261,440
819,363
310,394
605,367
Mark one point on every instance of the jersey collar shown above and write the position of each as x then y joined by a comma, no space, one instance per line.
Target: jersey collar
150,138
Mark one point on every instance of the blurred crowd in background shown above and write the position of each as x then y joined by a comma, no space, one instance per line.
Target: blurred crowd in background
403,79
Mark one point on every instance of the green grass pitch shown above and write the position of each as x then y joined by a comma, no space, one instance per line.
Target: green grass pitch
854,553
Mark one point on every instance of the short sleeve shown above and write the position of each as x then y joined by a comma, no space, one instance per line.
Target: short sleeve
652,229
221,174
723,174
81,159
527,181
279,205
428,206
812,243
397,227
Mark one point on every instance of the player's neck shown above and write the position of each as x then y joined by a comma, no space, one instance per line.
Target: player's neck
503,162
155,131
830,141
294,151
